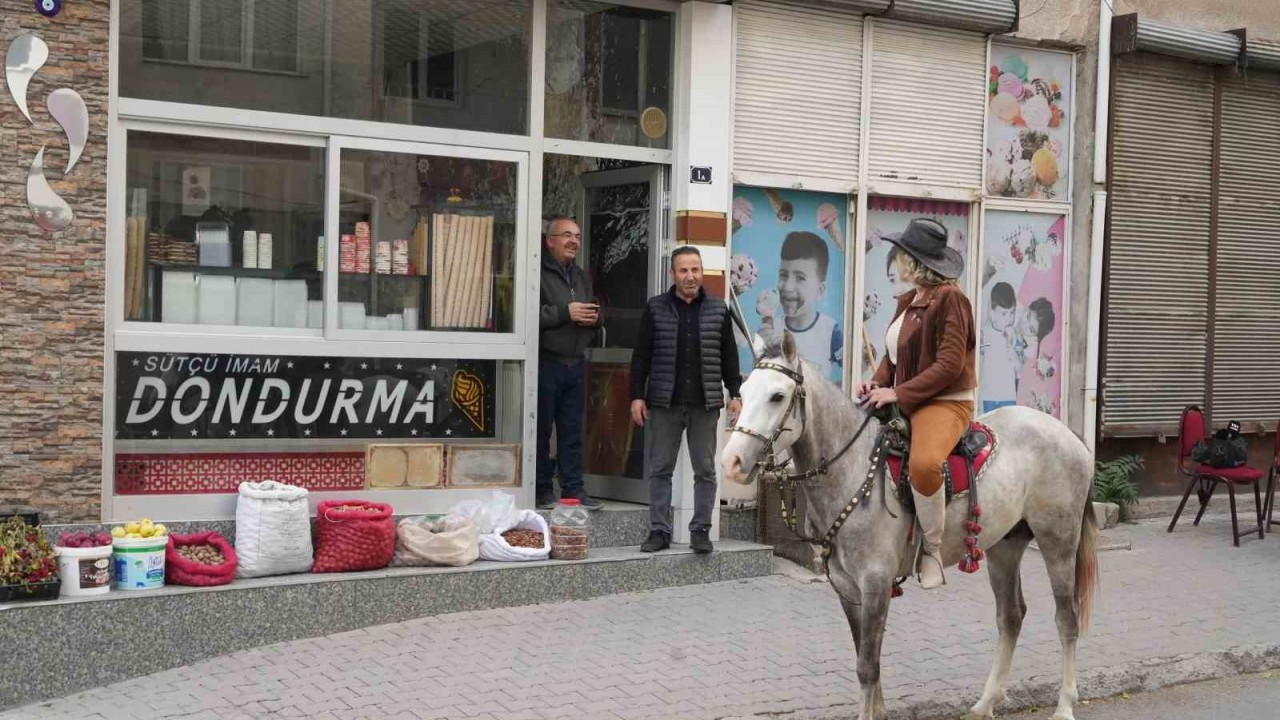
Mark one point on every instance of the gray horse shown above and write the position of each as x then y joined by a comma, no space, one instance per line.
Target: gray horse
1036,486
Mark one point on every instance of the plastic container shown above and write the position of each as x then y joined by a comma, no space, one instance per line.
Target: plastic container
139,562
570,531
84,571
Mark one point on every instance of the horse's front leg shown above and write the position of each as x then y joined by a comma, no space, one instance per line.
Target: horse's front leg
874,615
853,613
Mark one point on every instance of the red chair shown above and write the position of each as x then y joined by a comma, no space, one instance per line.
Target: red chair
1271,481
1191,431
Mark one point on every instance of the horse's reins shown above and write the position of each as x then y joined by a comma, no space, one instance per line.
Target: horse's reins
769,463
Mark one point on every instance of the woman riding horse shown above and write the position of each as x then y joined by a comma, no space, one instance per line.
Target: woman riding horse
929,371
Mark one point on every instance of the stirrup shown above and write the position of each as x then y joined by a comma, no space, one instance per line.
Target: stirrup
920,555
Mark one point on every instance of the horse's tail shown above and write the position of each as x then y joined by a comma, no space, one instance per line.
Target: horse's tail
1086,567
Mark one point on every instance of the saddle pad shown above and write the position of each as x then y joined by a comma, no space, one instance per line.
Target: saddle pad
957,464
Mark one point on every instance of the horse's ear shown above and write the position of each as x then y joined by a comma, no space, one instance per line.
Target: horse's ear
789,351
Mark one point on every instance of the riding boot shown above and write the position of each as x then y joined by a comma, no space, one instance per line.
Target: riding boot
931,511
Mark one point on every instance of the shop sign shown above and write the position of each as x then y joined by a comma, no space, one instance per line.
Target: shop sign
188,396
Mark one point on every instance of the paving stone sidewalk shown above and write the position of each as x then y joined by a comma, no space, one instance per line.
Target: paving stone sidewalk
1173,608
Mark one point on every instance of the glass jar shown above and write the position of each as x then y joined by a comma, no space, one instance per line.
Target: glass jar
570,536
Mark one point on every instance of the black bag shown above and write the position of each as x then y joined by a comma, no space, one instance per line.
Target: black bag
1226,448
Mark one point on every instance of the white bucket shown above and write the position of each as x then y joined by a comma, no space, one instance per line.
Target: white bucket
139,562
84,571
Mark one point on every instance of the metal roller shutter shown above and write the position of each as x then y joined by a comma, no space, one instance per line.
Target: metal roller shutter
1158,269
928,100
1246,330
797,92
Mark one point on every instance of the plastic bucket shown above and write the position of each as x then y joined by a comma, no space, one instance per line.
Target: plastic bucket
85,571
139,562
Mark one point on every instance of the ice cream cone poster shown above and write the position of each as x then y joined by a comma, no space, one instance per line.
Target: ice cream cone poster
882,285
787,272
1021,312
1029,106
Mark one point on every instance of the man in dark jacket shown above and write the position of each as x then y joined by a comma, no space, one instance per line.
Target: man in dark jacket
684,352
567,321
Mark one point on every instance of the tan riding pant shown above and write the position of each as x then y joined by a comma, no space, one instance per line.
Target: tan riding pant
936,428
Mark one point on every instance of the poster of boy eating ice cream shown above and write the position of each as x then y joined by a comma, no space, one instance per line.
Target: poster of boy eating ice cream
787,271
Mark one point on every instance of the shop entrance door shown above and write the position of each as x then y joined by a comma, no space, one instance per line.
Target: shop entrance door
621,227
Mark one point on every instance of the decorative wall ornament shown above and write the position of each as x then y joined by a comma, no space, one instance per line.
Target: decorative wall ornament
24,58
49,210
26,55
68,108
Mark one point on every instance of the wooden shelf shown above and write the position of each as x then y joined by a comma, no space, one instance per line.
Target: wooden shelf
269,274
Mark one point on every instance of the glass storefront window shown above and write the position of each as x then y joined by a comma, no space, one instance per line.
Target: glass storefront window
440,63
426,242
223,232
608,73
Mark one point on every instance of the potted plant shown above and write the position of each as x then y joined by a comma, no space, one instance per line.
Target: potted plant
28,565
1113,482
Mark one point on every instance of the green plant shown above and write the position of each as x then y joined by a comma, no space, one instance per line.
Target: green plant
25,554
1113,482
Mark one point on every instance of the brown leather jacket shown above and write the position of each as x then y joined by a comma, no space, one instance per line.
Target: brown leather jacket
936,348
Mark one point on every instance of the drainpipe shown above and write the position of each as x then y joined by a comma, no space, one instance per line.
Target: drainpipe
1097,244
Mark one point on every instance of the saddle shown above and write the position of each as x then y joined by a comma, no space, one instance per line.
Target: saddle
964,464
960,476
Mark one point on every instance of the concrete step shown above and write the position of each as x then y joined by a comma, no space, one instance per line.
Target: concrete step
78,643
618,524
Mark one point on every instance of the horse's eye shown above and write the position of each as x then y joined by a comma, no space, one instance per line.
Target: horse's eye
777,398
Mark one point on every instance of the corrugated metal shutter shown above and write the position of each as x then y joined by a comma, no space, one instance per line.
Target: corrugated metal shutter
797,91
1246,330
993,16
1158,270
927,105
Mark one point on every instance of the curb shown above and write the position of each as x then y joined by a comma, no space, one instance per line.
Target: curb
1041,691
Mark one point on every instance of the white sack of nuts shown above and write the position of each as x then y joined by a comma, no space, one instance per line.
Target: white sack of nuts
495,547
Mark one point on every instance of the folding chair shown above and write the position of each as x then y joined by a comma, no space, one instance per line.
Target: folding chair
1271,481
1206,478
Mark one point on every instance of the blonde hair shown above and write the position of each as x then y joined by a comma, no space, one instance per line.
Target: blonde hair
912,269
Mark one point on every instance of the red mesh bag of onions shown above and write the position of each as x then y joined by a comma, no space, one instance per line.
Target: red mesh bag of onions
353,535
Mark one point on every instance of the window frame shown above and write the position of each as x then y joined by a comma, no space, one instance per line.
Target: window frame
247,24
424,35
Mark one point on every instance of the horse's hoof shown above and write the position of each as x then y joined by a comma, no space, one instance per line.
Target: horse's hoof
977,713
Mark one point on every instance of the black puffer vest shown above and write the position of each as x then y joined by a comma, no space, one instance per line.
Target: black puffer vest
666,329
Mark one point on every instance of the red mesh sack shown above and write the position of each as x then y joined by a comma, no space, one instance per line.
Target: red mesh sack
353,535
181,571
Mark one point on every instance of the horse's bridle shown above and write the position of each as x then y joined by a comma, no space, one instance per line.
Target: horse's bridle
768,461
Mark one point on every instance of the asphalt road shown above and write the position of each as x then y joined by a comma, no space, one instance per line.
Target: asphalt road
1248,697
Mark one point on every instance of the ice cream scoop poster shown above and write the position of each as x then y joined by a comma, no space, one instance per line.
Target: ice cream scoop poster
1029,107
787,272
1021,310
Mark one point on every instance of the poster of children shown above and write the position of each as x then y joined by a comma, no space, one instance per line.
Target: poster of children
1021,311
882,285
787,271
1029,107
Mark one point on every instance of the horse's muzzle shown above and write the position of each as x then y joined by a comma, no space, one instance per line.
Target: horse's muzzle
733,469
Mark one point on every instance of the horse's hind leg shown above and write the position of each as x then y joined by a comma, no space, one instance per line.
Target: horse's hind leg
1004,562
1060,560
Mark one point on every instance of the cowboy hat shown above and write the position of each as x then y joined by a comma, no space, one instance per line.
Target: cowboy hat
926,241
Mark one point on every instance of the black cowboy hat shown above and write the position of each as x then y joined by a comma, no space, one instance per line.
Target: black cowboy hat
926,241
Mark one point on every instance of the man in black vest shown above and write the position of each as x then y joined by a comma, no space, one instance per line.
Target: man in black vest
684,351
567,321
